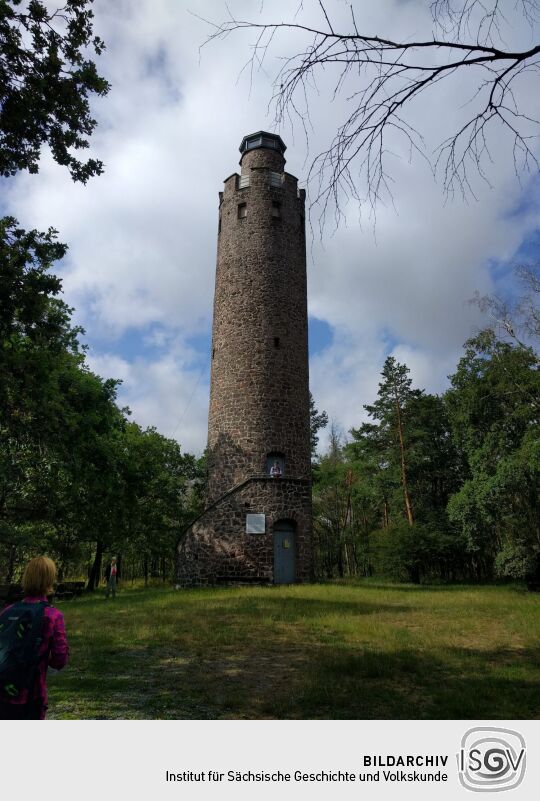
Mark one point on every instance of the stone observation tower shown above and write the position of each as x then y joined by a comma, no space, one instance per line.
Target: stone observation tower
257,522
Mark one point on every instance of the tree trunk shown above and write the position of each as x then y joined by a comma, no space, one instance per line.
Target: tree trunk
95,570
146,571
339,555
347,566
118,568
354,558
11,564
408,505
385,514
328,557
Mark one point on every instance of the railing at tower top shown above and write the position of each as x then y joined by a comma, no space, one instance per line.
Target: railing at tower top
275,180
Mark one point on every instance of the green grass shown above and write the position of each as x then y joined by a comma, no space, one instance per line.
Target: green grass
349,650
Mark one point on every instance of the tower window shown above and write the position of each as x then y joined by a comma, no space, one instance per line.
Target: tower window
275,180
242,211
275,464
276,209
276,342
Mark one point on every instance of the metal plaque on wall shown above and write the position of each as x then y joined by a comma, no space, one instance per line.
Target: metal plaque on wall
255,524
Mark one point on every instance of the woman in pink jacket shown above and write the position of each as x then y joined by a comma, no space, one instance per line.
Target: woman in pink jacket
31,703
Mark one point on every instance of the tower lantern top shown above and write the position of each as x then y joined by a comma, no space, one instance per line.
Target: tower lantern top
262,139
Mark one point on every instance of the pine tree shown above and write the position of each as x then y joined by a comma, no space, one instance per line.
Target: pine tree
390,409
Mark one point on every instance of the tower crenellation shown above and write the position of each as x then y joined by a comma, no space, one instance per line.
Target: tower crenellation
259,399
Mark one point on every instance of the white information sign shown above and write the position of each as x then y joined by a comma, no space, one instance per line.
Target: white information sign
255,524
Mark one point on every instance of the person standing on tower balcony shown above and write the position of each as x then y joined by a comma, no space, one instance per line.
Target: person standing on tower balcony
275,470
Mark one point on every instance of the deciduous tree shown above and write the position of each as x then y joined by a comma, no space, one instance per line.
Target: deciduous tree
46,80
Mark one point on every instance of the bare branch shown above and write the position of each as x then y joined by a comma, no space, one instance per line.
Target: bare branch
387,76
519,321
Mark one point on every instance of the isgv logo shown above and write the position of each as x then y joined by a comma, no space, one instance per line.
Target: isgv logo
491,759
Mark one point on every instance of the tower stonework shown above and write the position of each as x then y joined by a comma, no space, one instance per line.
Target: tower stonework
257,522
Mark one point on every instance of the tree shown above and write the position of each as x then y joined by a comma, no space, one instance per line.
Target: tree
76,478
36,337
331,508
58,421
494,408
432,547
375,467
436,468
394,394
317,420
158,501
51,407
46,79
518,321
381,79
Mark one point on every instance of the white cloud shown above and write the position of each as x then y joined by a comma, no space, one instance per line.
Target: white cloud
161,393
142,237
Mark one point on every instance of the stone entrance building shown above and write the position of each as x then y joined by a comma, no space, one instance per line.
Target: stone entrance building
257,522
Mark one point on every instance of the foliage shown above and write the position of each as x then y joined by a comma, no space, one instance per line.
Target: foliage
46,79
425,552
158,498
494,408
390,435
317,420
76,478
468,461
515,560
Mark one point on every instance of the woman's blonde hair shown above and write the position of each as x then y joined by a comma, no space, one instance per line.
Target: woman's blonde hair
39,576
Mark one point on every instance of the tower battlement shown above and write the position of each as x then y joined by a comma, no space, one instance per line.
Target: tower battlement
258,422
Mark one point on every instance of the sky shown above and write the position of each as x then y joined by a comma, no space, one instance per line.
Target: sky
142,237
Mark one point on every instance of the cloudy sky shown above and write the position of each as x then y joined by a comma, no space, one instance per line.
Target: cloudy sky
142,237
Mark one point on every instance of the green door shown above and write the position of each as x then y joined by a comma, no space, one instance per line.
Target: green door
284,552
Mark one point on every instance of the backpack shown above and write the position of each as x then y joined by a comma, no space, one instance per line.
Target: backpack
21,627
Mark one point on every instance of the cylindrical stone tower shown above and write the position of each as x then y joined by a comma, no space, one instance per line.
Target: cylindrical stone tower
257,525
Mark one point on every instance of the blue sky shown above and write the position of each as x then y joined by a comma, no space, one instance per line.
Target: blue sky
142,237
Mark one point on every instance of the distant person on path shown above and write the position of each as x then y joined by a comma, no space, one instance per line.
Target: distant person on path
111,573
32,638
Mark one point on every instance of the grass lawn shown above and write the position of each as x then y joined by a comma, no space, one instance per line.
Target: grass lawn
350,650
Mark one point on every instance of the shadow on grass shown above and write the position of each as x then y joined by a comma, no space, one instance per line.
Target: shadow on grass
317,682
232,601
405,684
283,653
392,586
